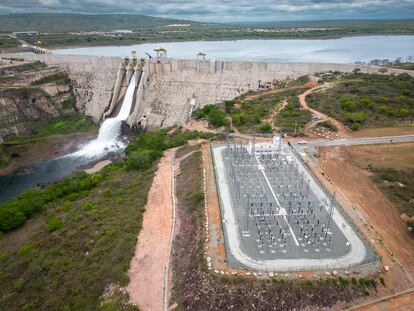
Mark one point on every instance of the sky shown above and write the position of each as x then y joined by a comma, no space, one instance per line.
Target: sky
226,10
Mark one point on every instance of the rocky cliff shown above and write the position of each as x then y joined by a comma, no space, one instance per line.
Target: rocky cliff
93,78
25,96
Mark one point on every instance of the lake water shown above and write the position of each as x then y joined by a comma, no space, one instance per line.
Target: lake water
343,50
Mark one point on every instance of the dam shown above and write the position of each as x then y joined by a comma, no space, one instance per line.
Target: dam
168,90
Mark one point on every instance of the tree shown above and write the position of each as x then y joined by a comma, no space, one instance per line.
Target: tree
266,128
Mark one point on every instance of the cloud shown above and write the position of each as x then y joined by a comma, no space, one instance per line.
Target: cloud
225,10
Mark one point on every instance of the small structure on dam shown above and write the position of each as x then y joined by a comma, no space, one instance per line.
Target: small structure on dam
276,217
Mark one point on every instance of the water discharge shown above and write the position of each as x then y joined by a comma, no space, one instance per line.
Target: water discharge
52,170
110,130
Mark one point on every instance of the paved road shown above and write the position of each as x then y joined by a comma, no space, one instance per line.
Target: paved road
359,141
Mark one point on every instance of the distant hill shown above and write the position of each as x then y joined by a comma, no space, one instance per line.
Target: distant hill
61,22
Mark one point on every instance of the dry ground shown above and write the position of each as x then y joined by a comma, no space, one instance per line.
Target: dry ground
402,302
375,216
385,131
398,156
199,125
146,273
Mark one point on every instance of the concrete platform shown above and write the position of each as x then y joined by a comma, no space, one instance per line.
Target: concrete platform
276,217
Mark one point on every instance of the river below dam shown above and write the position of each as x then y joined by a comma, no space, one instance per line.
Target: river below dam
342,50
107,141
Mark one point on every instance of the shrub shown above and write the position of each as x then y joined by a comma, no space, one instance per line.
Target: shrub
229,105
139,160
239,119
349,106
24,92
3,256
265,128
367,102
355,117
217,118
328,124
53,224
199,196
343,281
24,250
355,126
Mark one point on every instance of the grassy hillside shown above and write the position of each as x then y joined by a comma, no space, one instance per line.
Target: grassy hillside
68,246
56,29
367,100
57,22
262,112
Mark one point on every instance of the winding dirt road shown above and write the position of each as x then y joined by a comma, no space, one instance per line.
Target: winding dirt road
342,131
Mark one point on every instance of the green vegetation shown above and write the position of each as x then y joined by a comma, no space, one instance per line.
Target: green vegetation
15,212
58,78
6,42
213,114
75,123
367,100
292,119
405,66
299,81
76,250
261,113
328,124
82,29
148,147
61,22
398,186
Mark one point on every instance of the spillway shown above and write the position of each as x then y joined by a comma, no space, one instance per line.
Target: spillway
110,130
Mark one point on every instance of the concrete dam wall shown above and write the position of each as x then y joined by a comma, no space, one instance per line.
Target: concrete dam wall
176,87
170,89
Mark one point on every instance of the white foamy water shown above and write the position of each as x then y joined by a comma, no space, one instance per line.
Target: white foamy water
110,130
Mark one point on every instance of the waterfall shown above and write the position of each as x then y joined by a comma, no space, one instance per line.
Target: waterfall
110,130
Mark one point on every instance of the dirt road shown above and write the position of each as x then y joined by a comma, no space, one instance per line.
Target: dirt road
342,131
146,273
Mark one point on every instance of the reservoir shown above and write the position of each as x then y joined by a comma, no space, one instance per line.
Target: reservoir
343,50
